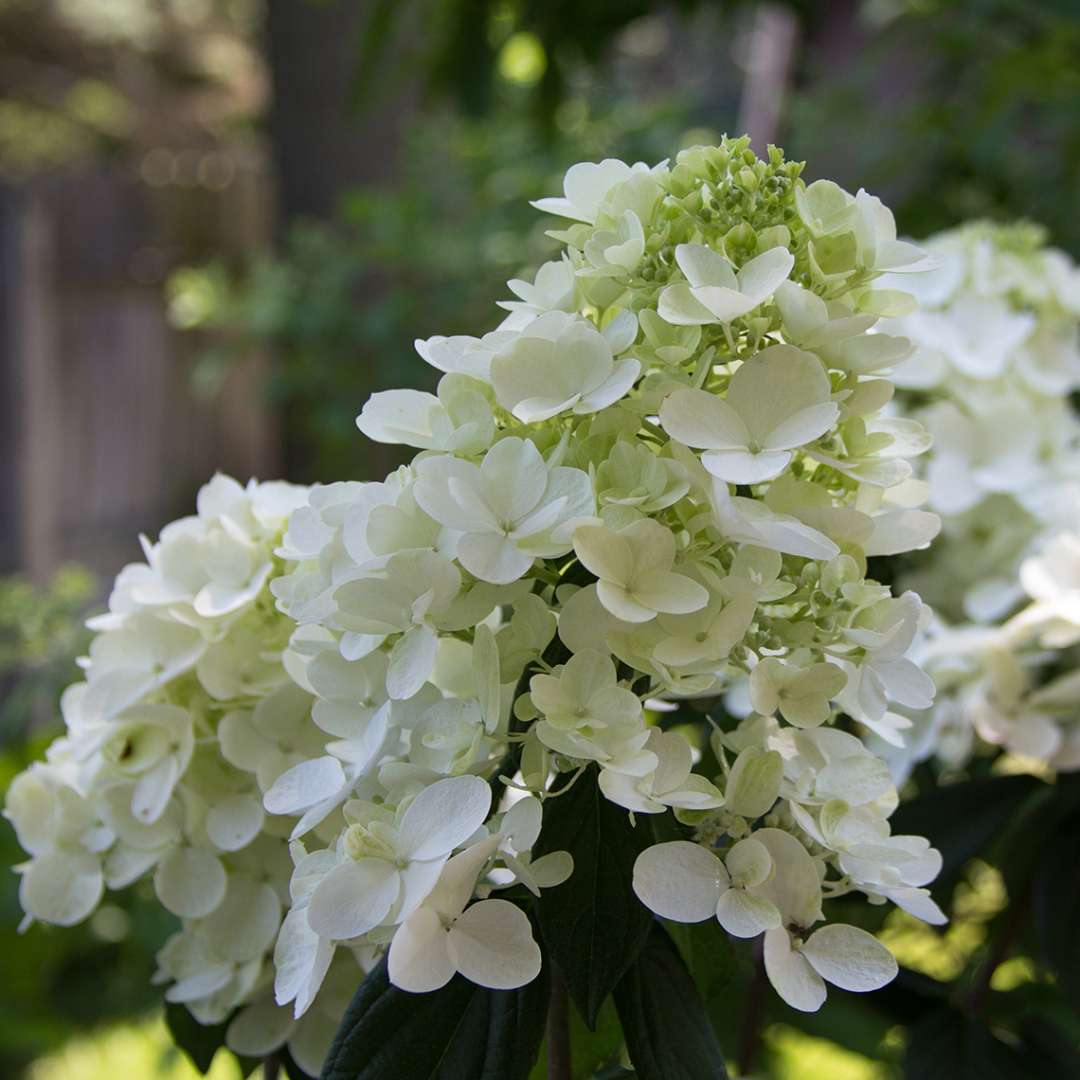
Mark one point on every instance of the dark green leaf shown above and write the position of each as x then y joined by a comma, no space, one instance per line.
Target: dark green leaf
1056,906
593,925
963,819
288,1066
948,1045
1048,1050
667,1029
709,957
910,996
199,1043
462,1030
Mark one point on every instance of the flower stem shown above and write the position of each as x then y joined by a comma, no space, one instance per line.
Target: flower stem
558,1028
752,1018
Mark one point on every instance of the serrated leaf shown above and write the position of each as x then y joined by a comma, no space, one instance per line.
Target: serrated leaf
667,1030
462,1030
593,925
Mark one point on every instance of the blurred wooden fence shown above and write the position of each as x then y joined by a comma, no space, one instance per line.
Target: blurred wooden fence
101,433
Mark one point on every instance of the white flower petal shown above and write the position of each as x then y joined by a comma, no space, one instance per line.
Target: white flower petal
920,903
552,869
412,660
190,882
850,958
745,915
744,466
310,1044
790,973
493,557
674,594
775,385
795,887
61,888
443,816
301,960
492,945
763,275
703,421
803,427
243,926
234,822
419,959
353,898
748,862
521,823
259,1028
703,266
679,880
400,416
304,785
679,306
604,553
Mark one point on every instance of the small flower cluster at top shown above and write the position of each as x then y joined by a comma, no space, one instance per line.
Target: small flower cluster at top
662,473
997,357
185,719
660,477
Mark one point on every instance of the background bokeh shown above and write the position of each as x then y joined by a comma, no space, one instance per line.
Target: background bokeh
223,223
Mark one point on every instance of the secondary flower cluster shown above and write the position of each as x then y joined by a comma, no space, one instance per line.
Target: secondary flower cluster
658,481
997,355
662,473
186,716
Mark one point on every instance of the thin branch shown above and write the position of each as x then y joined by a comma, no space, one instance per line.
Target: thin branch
750,1042
558,1028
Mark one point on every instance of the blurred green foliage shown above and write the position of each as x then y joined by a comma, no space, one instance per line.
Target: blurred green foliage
340,305
90,80
41,633
950,109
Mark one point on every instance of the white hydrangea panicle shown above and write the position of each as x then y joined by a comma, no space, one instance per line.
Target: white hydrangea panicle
658,479
997,356
688,469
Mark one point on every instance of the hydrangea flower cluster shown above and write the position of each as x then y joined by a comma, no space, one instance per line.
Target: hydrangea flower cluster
655,484
661,474
185,718
997,354
997,357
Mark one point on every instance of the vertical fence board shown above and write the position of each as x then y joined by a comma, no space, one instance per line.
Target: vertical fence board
109,437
